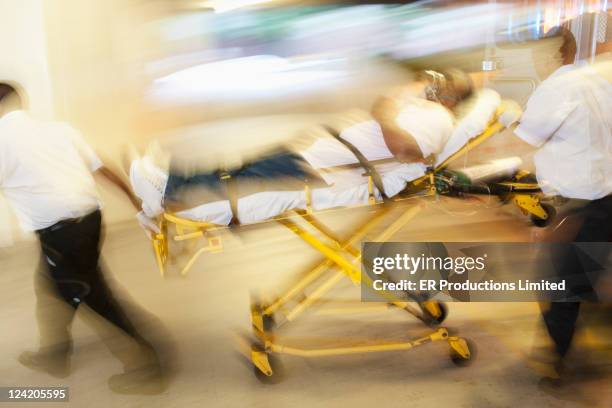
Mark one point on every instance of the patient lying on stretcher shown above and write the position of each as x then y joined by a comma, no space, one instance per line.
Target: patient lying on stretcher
410,131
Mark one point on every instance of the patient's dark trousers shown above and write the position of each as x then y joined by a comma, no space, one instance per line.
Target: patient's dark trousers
561,318
69,275
282,163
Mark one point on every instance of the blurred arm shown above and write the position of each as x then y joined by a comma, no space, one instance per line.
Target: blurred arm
401,143
97,167
113,178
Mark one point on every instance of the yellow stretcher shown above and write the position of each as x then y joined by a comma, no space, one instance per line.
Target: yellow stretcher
342,260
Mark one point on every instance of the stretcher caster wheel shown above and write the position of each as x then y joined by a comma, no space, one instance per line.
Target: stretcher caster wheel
462,351
263,323
266,367
434,312
539,222
269,323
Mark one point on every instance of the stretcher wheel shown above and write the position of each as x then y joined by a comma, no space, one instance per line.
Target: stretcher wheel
276,373
436,320
539,222
269,323
462,360
262,322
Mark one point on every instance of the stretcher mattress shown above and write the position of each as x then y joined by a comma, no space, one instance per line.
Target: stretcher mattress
349,187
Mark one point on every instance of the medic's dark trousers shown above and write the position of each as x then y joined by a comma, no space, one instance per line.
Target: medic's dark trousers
70,275
561,318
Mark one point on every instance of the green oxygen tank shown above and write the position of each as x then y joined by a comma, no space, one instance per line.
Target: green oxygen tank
461,179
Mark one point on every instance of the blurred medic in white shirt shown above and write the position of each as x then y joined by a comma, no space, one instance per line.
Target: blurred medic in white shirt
46,173
569,120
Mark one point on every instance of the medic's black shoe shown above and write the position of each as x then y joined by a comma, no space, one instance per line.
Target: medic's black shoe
56,364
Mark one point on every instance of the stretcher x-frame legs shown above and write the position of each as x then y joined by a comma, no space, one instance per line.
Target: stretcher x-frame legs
342,261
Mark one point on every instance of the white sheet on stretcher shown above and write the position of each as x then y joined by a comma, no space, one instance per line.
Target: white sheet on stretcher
349,187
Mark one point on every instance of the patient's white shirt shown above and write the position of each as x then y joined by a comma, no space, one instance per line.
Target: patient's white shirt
569,116
429,123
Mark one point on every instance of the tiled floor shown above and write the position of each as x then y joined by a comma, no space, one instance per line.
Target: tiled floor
196,322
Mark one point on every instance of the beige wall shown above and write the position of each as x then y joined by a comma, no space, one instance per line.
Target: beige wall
73,58
87,80
23,50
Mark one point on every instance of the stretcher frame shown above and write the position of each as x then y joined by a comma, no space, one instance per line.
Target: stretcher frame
342,261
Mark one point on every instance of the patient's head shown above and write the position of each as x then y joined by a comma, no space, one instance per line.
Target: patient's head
448,87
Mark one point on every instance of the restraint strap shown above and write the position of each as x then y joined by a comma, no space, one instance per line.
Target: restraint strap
232,194
308,194
352,166
365,163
